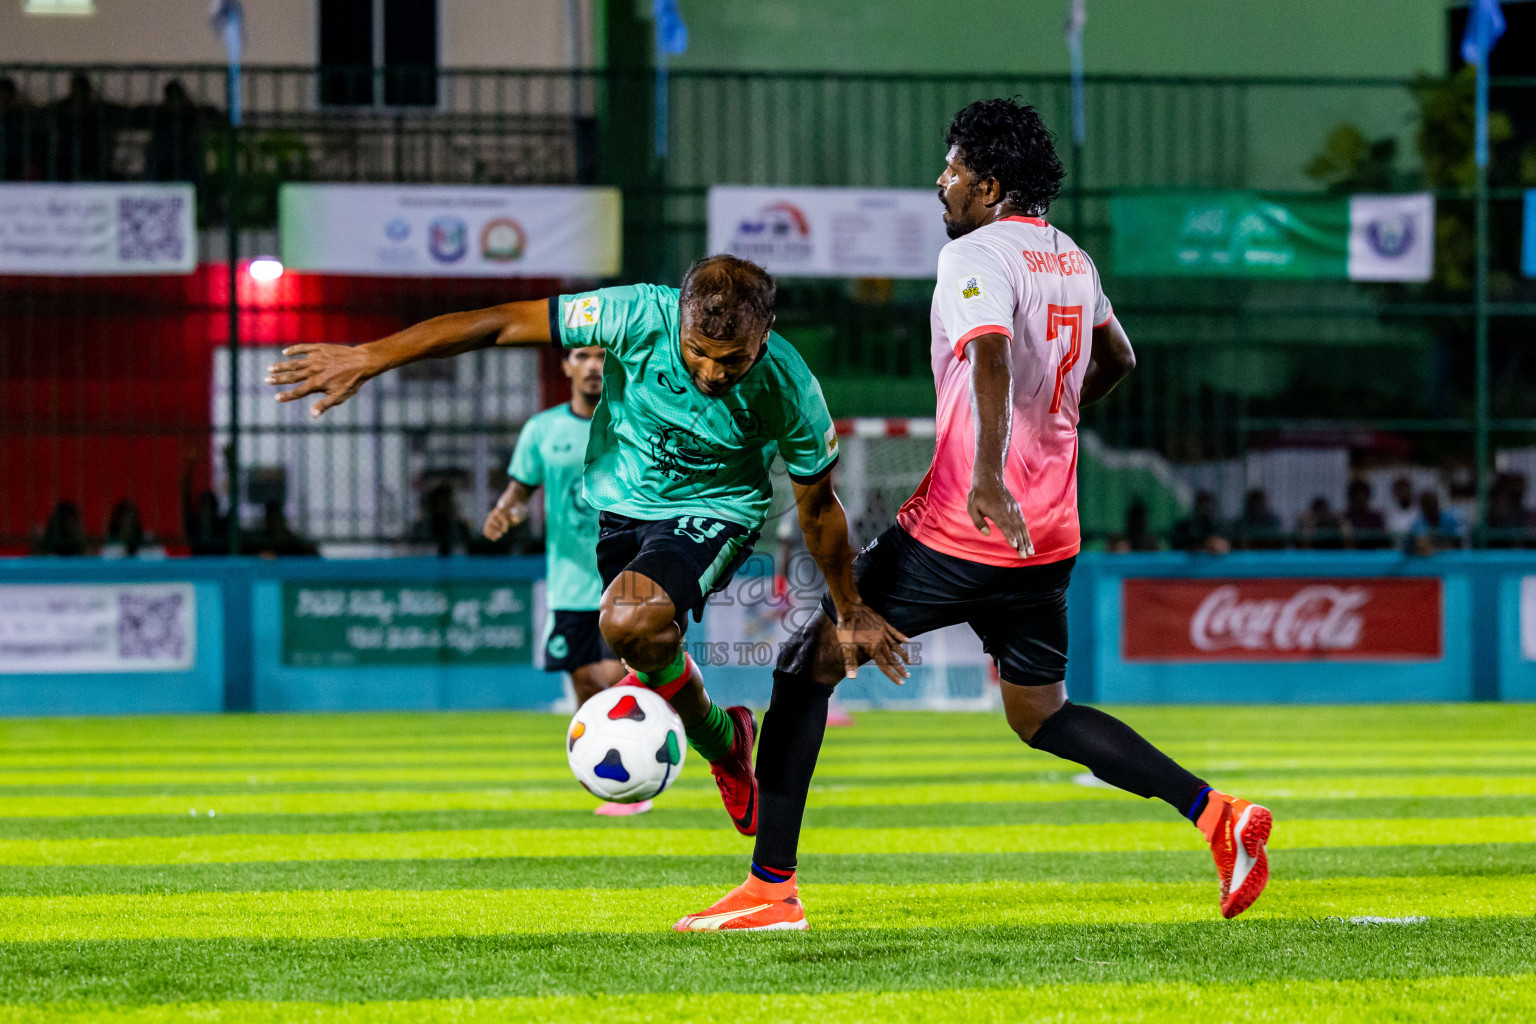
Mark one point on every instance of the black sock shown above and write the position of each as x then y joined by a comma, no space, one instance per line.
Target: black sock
1118,755
786,758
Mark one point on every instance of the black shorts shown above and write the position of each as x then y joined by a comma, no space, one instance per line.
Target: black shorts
1019,612
690,557
574,642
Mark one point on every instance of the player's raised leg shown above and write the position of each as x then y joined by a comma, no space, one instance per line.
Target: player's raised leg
640,622
1236,830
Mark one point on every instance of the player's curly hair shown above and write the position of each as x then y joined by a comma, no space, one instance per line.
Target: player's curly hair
1006,140
725,297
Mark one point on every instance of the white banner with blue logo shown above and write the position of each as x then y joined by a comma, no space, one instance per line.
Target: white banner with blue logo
829,232
1392,237
451,230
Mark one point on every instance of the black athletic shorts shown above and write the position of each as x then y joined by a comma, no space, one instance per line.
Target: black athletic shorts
690,557
575,641
1020,612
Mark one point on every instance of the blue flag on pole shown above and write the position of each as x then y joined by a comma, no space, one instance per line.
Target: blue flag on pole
1485,24
671,31
228,20
671,39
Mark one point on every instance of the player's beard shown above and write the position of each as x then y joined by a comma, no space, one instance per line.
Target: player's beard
954,226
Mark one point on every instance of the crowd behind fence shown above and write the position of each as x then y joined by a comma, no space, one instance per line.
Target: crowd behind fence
1378,376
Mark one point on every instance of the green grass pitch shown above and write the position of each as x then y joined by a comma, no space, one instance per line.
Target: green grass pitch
445,867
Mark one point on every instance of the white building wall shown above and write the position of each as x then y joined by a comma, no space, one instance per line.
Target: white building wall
472,33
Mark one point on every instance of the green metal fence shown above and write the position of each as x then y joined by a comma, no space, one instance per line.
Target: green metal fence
1230,370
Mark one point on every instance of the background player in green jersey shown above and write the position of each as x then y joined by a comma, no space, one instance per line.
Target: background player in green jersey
551,453
699,395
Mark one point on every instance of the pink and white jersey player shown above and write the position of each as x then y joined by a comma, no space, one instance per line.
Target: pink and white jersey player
1021,278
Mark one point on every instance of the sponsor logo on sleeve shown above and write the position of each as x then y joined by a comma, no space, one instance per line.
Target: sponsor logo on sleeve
970,287
831,439
583,312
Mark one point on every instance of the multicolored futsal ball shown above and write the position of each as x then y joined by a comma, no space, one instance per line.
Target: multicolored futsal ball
626,744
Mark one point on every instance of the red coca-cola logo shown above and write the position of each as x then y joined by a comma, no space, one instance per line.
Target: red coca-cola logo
1282,619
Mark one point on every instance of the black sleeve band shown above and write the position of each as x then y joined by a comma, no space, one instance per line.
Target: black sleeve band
818,476
554,323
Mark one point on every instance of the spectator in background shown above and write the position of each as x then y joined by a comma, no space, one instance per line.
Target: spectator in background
1366,527
1258,527
1320,528
1510,523
274,537
14,125
440,524
175,147
1402,511
205,526
1435,529
1201,532
1137,537
125,531
64,533
76,147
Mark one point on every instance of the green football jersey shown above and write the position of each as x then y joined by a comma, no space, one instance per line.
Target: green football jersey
661,448
550,453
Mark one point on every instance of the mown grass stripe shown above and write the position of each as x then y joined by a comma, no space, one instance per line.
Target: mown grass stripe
626,842
669,816
839,747
394,914
971,955
1488,860
693,794
549,766
1454,1000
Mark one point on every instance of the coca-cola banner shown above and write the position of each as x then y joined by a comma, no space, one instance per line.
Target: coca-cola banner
1391,619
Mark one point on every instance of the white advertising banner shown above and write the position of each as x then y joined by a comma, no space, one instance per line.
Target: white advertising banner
1392,237
830,232
1528,618
451,230
97,229
125,627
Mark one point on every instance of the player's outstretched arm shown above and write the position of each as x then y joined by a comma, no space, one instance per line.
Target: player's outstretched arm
862,631
338,371
510,510
992,400
1108,364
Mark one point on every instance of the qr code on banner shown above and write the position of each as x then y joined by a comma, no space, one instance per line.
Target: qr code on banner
150,229
150,627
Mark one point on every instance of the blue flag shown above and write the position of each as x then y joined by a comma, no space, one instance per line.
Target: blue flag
228,20
671,32
1485,24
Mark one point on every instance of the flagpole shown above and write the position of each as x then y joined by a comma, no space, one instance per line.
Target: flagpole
1482,413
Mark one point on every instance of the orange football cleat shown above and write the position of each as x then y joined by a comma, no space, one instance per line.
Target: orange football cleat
733,773
755,906
1237,831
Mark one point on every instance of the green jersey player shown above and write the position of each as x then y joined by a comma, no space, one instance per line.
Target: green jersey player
699,396
551,454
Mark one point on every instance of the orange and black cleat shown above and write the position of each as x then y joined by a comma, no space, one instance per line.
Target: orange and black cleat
1237,831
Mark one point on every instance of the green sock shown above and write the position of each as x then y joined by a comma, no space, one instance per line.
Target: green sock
663,676
713,737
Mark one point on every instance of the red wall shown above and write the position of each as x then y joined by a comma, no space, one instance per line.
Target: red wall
105,382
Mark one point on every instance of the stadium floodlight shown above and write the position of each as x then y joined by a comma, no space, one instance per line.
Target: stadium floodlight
265,268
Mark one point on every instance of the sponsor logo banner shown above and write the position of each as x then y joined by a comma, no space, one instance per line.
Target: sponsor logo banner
1387,619
1528,618
89,230
339,623
1528,248
1252,234
829,232
1392,237
91,628
451,230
